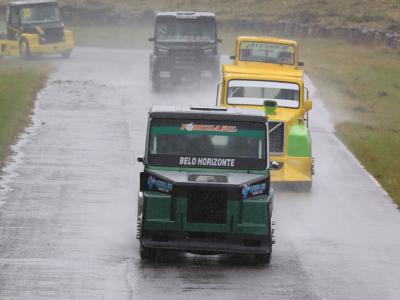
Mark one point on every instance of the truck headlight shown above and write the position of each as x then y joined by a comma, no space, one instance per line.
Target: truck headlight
209,51
162,51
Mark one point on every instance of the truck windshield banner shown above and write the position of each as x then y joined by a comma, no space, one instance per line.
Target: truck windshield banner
207,144
267,52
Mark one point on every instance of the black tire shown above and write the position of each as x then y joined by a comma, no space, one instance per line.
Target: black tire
263,259
66,54
304,187
151,66
156,85
24,50
147,253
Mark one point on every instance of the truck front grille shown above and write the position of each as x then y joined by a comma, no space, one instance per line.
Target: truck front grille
54,35
186,58
276,137
205,206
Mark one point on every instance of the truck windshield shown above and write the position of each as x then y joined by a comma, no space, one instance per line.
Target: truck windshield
267,52
255,92
186,30
40,13
207,144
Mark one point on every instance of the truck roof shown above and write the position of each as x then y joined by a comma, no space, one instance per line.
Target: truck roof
208,113
186,14
30,2
261,70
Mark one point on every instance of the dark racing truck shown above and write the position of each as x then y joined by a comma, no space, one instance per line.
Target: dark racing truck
205,187
185,49
35,27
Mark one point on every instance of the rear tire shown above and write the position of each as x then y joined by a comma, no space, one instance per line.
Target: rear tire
24,50
304,187
66,54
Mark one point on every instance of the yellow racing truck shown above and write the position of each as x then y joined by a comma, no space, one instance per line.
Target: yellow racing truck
280,91
35,28
266,52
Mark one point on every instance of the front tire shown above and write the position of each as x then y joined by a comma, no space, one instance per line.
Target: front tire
156,85
147,253
66,54
24,50
263,259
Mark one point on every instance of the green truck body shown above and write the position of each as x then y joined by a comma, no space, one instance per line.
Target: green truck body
205,187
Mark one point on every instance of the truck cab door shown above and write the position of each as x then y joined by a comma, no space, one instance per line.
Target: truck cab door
13,23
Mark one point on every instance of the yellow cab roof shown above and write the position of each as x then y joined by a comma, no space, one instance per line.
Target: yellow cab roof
261,72
266,39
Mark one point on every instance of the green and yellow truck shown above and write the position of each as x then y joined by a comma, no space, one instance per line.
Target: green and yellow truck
205,187
35,28
265,76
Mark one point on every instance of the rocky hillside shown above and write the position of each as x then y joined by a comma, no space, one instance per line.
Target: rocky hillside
367,14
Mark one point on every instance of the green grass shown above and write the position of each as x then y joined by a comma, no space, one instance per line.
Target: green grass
361,87
19,83
378,149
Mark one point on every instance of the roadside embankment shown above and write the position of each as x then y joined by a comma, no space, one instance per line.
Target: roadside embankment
361,88
19,83
361,21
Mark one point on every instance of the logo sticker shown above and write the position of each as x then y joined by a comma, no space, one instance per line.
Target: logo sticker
245,191
158,184
208,128
253,190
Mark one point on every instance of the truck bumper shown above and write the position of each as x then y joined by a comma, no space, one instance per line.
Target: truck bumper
292,169
206,242
166,70
58,48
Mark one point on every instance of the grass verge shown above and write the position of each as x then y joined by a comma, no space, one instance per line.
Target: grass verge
19,83
361,87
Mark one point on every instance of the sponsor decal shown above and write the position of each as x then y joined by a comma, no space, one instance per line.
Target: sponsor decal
158,184
253,190
186,16
207,162
266,46
208,128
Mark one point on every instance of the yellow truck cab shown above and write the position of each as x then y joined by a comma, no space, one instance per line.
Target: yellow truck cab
266,52
281,93
35,28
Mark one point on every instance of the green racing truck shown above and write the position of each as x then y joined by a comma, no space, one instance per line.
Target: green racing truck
205,188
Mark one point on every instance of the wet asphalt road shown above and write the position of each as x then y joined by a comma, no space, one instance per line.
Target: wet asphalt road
68,206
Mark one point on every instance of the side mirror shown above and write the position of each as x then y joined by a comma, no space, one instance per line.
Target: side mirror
309,105
151,39
219,40
274,165
233,57
140,159
301,64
